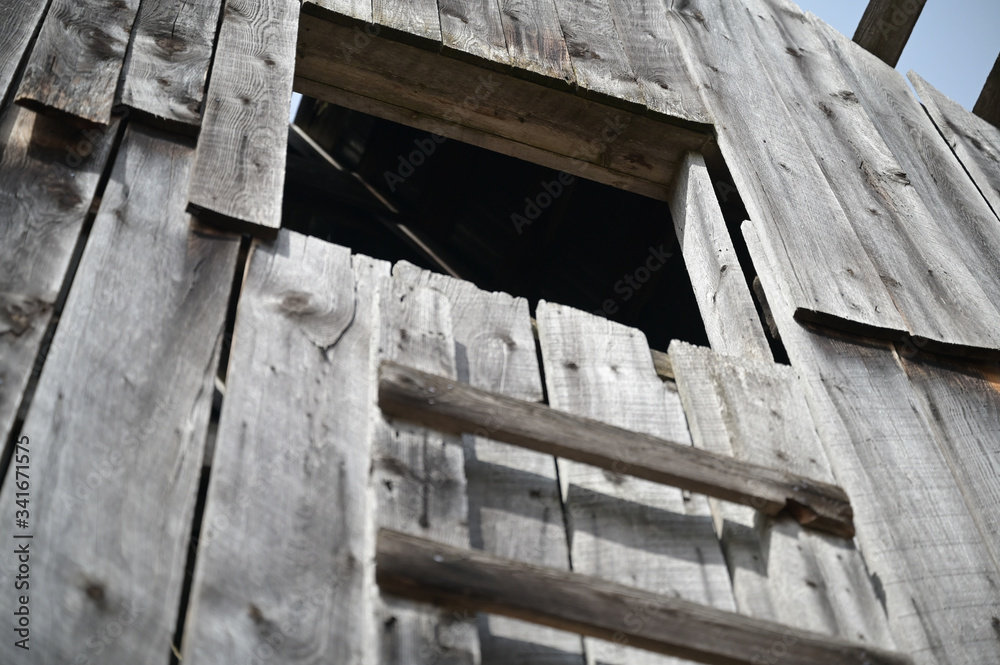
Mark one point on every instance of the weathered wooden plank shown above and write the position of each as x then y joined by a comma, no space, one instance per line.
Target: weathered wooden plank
168,62
886,26
929,163
424,570
355,9
439,403
626,529
807,234
419,88
975,141
514,505
600,66
22,22
411,17
535,40
46,189
727,310
988,105
77,58
472,28
287,499
756,412
657,59
239,170
938,297
417,480
118,422
922,547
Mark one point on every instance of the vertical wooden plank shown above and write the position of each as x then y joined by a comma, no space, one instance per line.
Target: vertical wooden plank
535,41
514,505
727,310
886,26
358,9
239,170
988,105
975,141
624,529
657,58
472,28
756,411
807,234
413,17
75,63
599,62
21,22
168,63
47,184
118,423
417,480
922,547
282,553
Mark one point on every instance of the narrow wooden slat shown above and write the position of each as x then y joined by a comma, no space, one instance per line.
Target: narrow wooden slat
939,298
727,310
289,474
930,566
21,23
514,504
440,403
535,40
988,105
472,28
756,412
411,17
118,422
465,579
239,171
601,68
46,189
975,141
886,26
417,479
807,234
171,51
75,63
656,56
355,9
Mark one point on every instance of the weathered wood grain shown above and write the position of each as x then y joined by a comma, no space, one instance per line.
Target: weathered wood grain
988,105
21,24
287,499
417,478
624,529
727,310
535,41
808,236
886,26
472,28
450,576
118,422
419,88
756,412
975,141
46,189
77,58
600,66
921,545
168,62
938,297
411,17
239,170
657,59
355,9
514,505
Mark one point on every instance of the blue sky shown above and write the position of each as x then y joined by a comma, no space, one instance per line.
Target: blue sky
953,46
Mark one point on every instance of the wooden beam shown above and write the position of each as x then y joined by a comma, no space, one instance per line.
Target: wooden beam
886,26
422,570
988,105
446,405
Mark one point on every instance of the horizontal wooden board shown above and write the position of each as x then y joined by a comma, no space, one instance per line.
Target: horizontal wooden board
473,581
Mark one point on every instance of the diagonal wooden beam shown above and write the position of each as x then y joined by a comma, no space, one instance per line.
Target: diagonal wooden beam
886,27
422,570
453,407
988,105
